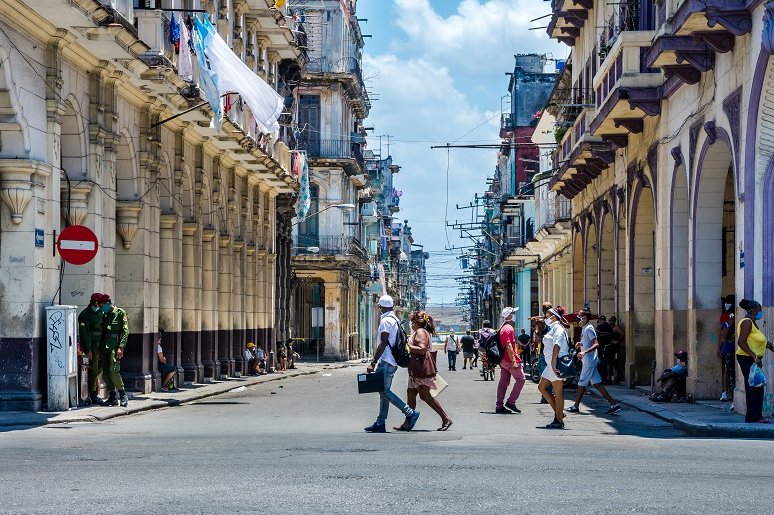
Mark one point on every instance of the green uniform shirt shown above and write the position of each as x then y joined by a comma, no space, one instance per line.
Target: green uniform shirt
115,328
90,328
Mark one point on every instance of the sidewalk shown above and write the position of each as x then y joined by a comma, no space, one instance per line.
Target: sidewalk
156,400
704,418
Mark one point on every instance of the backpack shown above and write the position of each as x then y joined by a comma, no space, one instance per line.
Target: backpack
400,351
493,348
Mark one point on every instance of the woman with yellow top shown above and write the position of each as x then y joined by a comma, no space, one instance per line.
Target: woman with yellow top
752,345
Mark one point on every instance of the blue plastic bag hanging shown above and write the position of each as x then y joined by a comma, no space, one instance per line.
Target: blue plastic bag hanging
757,378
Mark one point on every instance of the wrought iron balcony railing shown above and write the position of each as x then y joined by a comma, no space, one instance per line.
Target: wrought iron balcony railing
323,245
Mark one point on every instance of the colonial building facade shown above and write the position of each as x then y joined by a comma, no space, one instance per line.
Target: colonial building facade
186,215
665,150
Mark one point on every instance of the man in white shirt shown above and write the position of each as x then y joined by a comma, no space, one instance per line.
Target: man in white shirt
385,364
452,348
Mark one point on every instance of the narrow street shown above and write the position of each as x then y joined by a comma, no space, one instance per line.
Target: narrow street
298,446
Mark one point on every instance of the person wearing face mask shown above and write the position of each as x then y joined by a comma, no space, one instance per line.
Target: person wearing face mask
541,325
115,332
90,334
588,348
555,345
752,345
726,348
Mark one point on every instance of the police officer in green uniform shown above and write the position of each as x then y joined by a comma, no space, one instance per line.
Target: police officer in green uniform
115,332
90,332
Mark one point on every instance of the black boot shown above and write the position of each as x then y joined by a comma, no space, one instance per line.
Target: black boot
96,400
124,399
112,401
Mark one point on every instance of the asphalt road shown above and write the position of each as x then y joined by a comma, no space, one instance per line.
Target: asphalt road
298,446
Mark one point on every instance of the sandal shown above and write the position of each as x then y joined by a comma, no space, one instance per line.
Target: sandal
446,425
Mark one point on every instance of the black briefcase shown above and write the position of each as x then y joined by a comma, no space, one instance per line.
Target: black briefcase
370,383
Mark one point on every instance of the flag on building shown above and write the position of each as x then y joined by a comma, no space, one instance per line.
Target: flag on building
184,65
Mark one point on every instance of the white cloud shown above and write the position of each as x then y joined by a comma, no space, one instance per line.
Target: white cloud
441,78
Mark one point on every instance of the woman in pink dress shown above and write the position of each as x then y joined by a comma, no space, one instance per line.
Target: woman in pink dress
422,379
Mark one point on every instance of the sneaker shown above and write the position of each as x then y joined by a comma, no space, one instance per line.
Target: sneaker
573,409
164,389
503,411
376,428
543,400
614,408
463,368
112,401
511,406
555,425
412,420
724,396
124,401
96,400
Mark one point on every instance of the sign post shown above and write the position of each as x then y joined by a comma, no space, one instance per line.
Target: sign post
77,244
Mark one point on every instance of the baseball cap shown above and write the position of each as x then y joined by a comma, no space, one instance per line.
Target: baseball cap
385,301
96,296
508,311
250,345
681,355
104,298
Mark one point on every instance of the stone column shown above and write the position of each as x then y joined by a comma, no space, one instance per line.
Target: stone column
209,335
238,309
263,57
333,323
191,342
225,355
24,189
167,290
250,301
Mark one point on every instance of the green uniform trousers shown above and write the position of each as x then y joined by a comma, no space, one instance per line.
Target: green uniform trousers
111,368
95,365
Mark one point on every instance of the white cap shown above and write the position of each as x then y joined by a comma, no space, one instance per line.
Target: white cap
385,301
506,312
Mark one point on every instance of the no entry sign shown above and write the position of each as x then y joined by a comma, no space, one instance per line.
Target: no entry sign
77,245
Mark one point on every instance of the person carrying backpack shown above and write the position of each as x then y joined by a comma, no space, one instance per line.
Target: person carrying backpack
510,366
385,364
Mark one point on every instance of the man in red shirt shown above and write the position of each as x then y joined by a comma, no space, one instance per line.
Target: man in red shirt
510,366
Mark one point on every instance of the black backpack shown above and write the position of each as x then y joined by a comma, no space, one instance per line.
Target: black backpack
400,350
494,351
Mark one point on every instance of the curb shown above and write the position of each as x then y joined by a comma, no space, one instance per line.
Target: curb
156,403
706,430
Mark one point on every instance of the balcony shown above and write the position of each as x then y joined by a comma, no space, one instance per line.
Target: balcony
338,152
506,124
626,91
567,20
699,29
346,70
314,246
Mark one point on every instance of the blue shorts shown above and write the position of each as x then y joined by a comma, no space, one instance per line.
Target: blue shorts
166,369
589,373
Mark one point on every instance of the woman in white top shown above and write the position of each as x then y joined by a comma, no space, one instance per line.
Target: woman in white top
555,345
587,351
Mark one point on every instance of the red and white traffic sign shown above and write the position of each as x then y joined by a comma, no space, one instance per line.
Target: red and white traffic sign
77,244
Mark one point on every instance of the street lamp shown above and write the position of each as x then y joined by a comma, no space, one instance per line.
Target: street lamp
343,207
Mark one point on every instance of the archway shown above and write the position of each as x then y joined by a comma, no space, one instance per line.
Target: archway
768,238
607,265
591,267
640,334
713,274
678,277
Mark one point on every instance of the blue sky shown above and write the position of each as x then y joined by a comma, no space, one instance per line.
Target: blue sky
437,70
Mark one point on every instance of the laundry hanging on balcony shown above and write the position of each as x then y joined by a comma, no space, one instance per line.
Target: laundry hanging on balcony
184,65
234,76
300,166
208,78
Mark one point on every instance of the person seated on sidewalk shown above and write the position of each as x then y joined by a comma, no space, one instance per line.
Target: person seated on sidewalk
252,359
261,357
292,355
166,370
282,361
673,381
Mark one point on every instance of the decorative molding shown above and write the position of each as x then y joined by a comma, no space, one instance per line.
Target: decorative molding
732,106
190,228
167,221
718,40
685,73
693,138
128,220
633,125
711,130
767,35
17,177
677,155
738,21
702,61
78,207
